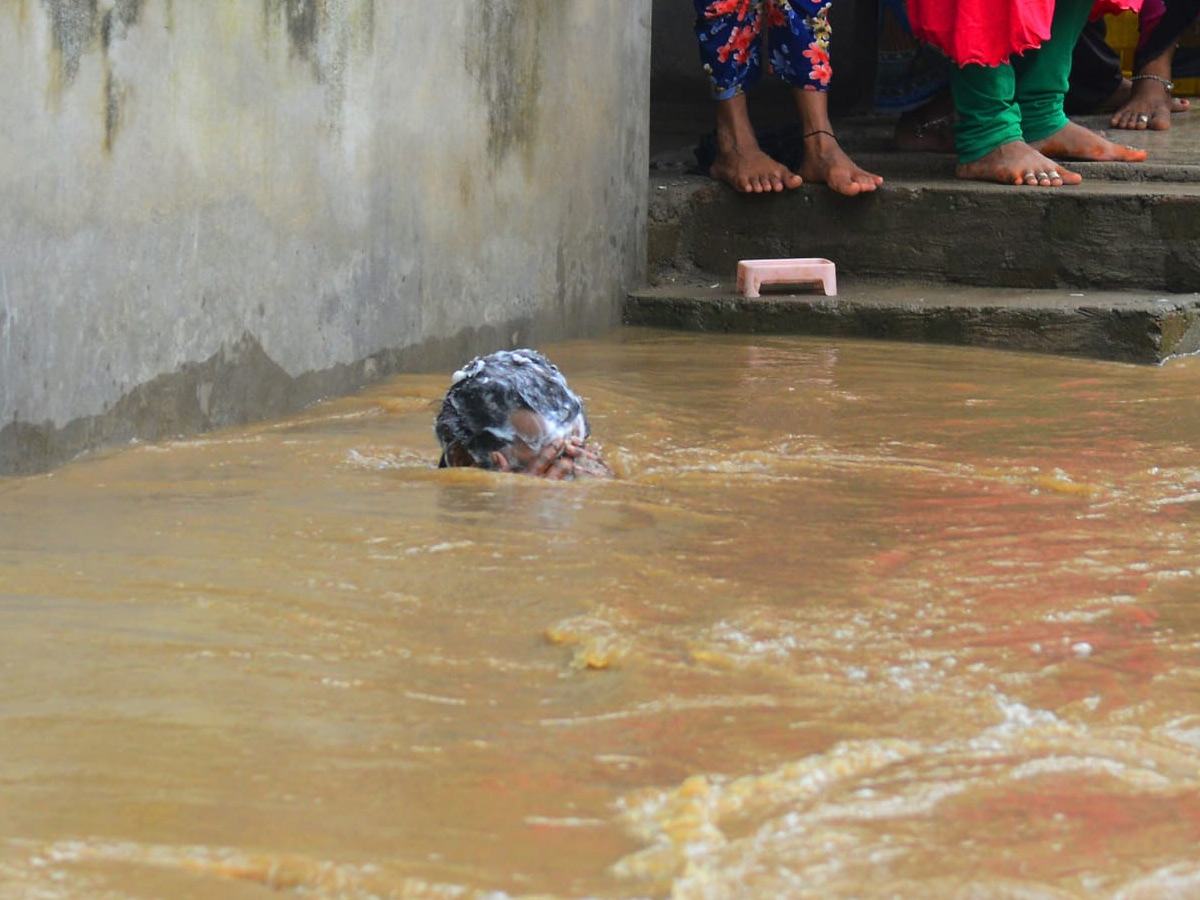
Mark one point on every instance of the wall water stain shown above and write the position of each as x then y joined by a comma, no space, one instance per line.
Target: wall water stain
117,20
505,56
72,27
113,26
327,35
75,25
322,32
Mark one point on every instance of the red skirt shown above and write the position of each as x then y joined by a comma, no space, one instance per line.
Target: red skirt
988,32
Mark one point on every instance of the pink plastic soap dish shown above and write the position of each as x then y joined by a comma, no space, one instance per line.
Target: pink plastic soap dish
752,274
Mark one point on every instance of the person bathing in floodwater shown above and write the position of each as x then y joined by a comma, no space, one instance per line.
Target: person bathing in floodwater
512,411
730,34
1012,65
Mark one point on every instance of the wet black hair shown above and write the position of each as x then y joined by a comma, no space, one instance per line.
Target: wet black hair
475,413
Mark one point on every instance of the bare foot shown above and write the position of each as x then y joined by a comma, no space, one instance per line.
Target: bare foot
751,171
741,162
1149,106
1121,95
826,163
934,136
1017,163
1073,141
928,128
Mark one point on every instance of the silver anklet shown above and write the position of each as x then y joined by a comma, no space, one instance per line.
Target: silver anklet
927,128
1165,82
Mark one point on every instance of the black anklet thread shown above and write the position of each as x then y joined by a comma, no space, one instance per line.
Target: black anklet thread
820,131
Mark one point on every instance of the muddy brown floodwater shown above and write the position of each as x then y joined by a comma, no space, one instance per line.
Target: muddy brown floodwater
857,620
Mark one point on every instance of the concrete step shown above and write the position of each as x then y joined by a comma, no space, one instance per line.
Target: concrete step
1100,235
1132,227
1124,326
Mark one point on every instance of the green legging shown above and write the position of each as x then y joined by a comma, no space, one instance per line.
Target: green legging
1023,99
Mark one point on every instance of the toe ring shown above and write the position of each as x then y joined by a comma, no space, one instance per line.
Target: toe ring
1143,118
1052,174
1042,176
1028,175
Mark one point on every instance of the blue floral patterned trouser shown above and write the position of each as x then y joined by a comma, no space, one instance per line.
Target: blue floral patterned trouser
731,47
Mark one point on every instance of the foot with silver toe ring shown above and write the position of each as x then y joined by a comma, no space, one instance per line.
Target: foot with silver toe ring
1039,177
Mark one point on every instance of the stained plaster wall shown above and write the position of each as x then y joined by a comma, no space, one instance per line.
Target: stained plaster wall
220,210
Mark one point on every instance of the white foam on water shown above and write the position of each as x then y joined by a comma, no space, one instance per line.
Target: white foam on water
441,547
383,461
865,818
30,870
1177,882
1185,730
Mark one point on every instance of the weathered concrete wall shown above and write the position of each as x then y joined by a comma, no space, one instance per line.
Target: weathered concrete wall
213,211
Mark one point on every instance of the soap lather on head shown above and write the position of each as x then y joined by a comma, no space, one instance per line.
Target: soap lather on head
512,411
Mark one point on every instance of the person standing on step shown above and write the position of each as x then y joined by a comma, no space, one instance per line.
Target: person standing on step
1012,67
731,36
1144,101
